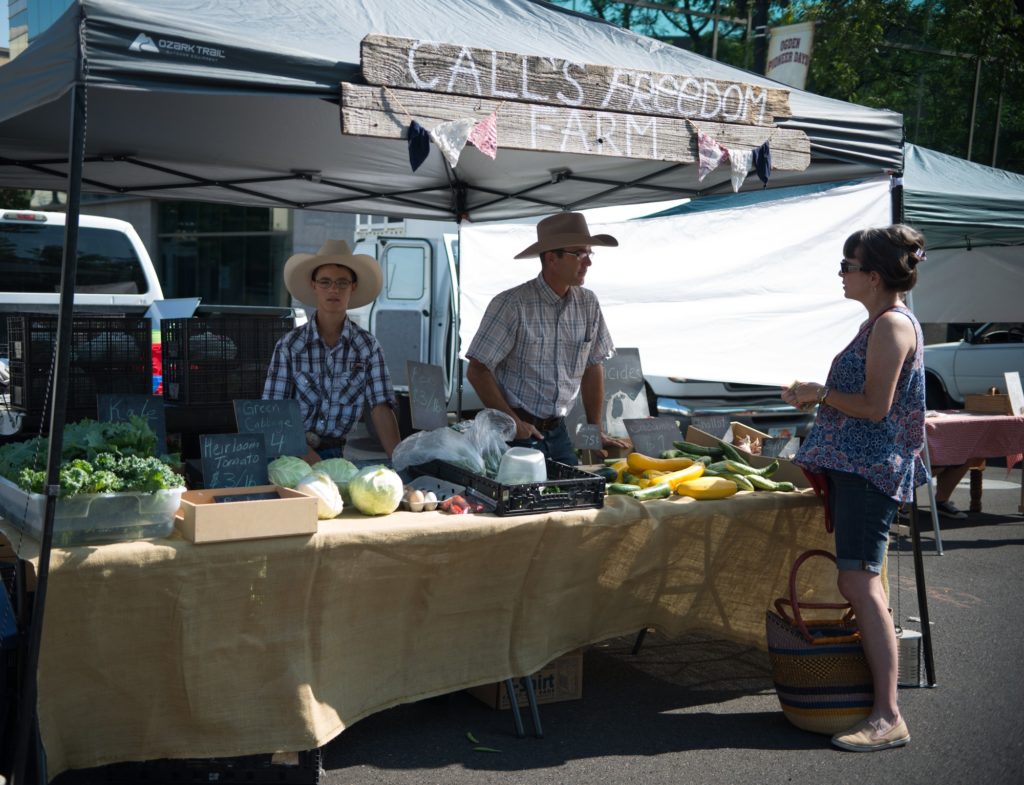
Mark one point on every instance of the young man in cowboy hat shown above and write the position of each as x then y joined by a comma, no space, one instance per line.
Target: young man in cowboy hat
544,341
330,365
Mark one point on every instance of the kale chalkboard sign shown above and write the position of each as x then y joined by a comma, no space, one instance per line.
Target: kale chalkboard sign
653,435
280,422
233,460
118,407
427,400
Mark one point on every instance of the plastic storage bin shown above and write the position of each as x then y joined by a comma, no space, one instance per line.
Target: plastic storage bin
92,518
213,359
109,354
567,488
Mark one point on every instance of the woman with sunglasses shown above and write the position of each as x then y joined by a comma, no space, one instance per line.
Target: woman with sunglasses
867,439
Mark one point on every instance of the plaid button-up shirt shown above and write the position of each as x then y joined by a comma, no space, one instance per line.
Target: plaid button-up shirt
538,344
331,384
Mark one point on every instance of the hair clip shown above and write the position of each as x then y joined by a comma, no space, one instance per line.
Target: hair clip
919,254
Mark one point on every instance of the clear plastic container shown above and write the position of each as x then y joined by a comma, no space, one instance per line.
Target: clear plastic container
92,518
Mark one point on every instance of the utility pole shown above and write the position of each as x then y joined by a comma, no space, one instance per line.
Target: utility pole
760,36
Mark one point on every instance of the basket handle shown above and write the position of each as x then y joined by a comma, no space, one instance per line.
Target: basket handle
797,620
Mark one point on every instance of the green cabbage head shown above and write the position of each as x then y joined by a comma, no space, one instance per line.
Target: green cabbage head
376,490
287,471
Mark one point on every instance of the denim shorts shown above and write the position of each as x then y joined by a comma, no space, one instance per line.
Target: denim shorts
861,516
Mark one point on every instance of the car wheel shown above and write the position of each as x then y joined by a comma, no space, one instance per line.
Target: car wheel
935,394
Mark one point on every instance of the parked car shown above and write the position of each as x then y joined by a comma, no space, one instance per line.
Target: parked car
973,365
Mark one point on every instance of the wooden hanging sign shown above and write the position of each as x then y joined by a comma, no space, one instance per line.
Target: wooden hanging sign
451,69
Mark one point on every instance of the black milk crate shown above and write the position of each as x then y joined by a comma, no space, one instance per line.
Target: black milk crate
109,354
212,359
567,488
244,769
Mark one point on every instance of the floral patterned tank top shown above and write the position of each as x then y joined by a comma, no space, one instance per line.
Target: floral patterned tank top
886,453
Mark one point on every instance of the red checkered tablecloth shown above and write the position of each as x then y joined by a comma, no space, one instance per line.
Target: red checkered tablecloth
954,439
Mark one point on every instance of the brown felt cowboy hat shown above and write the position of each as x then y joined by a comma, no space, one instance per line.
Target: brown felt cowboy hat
298,272
565,230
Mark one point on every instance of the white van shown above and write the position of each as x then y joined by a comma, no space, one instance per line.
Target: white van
115,274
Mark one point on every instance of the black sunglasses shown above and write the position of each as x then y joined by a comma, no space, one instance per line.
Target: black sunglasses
849,267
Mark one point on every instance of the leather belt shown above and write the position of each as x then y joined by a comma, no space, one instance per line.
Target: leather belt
318,442
540,423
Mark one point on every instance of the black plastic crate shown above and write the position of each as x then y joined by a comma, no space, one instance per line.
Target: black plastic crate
109,354
244,769
567,488
218,358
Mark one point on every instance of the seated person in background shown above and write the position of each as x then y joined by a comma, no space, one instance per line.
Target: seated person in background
946,480
330,365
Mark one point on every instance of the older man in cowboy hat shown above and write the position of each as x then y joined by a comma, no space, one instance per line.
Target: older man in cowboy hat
543,342
332,366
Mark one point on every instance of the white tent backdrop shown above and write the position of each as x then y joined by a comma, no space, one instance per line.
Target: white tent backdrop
983,284
719,295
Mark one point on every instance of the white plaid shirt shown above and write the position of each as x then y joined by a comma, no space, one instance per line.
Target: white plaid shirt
331,384
538,344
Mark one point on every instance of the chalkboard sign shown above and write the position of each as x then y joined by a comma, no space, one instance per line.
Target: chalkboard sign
247,497
280,422
427,400
117,407
233,460
772,446
587,437
715,424
653,435
625,396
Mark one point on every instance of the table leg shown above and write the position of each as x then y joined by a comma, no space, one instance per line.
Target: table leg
976,477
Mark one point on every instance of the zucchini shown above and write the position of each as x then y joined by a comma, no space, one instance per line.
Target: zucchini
731,453
743,468
607,473
622,488
698,449
764,484
658,491
743,481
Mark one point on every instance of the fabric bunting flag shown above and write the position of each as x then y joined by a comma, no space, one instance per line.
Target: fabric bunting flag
451,137
763,162
419,144
710,154
741,162
484,136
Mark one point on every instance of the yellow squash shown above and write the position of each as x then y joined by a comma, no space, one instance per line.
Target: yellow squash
706,488
638,463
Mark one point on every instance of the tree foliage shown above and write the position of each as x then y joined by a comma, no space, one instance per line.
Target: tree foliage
917,57
11,198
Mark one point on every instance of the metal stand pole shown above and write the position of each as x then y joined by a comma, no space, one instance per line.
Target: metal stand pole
922,594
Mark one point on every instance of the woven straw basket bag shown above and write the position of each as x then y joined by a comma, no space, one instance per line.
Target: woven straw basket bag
821,676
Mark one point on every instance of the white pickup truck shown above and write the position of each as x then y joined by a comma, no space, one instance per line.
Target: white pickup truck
973,365
115,275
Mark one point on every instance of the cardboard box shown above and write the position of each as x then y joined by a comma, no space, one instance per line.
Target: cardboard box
787,471
201,519
561,680
988,404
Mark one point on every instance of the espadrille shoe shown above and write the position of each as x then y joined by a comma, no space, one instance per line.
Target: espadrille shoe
865,737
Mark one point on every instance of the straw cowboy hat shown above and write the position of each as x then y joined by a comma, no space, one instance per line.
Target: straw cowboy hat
298,271
563,231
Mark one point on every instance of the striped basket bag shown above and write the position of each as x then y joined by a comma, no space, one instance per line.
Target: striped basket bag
821,675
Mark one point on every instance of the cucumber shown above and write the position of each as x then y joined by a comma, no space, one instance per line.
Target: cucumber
630,479
622,488
672,454
658,491
697,449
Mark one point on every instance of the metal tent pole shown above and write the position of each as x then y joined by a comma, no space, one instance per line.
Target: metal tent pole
27,724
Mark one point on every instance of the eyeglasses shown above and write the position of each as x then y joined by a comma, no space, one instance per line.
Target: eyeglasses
849,267
336,283
578,254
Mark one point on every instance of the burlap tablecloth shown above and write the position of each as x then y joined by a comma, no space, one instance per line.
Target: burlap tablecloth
165,649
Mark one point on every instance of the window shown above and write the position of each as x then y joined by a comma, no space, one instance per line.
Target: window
406,271
30,260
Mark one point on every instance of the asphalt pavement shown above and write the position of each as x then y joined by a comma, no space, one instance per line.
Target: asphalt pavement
701,710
